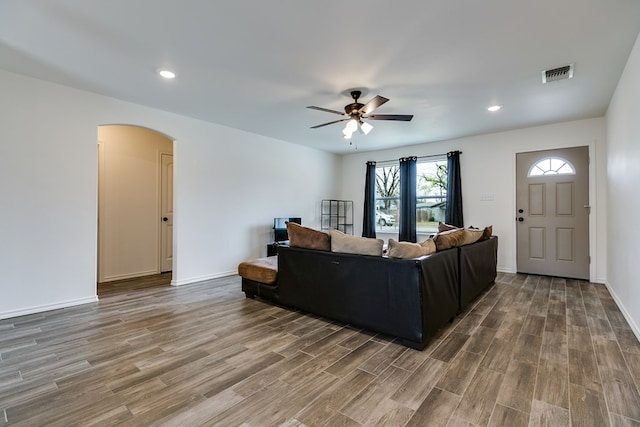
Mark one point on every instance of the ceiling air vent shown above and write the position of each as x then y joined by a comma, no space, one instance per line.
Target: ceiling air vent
556,74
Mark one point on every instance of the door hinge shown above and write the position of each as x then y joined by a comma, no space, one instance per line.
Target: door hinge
589,259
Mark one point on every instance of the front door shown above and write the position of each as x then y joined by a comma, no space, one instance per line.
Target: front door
166,213
552,212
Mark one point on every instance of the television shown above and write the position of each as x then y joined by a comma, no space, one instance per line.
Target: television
280,228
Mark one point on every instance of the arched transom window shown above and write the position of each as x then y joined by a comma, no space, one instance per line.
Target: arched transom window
552,166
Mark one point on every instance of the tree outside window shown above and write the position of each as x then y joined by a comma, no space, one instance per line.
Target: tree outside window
387,197
431,195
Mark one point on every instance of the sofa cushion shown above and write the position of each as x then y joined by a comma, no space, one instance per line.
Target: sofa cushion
263,270
486,233
449,239
446,227
410,250
307,238
348,244
471,236
429,245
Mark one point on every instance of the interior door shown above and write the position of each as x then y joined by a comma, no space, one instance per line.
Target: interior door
166,212
552,212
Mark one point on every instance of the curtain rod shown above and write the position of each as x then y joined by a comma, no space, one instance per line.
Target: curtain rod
419,157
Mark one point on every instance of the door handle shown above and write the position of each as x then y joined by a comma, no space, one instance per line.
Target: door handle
165,219
520,219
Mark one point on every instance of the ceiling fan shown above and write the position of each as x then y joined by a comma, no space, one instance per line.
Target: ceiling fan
355,112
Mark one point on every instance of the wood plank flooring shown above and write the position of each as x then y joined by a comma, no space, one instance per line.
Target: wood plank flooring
531,351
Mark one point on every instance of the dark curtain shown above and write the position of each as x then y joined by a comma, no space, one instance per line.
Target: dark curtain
408,199
369,216
453,210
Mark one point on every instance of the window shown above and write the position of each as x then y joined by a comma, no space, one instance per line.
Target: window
387,197
431,193
552,166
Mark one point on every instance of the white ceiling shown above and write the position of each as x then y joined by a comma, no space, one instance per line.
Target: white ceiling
255,65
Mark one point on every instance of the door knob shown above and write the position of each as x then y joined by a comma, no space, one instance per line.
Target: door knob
520,210
165,219
520,219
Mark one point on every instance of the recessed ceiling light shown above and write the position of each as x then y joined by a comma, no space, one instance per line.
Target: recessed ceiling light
167,74
494,108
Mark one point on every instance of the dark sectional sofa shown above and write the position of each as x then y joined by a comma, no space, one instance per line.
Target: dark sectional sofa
410,299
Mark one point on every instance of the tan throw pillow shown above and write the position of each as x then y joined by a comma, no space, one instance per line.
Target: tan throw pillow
407,250
471,236
307,238
486,233
446,227
429,245
448,239
348,244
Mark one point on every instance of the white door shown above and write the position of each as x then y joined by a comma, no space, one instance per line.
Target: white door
166,213
552,212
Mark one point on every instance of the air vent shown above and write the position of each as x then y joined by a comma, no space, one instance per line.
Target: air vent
556,74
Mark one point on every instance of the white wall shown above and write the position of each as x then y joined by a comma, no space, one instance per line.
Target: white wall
129,201
229,185
232,188
488,167
623,173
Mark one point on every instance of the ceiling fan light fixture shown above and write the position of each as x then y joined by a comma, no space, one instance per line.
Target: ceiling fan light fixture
352,126
366,127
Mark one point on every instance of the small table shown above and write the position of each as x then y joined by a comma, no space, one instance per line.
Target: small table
272,248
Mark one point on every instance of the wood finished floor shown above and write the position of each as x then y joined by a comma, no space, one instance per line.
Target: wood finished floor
531,351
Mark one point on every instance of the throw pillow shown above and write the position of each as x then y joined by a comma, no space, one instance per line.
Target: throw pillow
448,239
446,227
429,245
407,250
471,236
486,233
348,244
307,238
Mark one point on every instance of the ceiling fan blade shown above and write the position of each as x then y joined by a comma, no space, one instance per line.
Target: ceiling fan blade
326,110
329,123
399,117
373,104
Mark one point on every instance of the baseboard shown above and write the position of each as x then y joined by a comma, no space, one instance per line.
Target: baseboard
129,276
600,280
504,270
623,310
48,307
193,280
